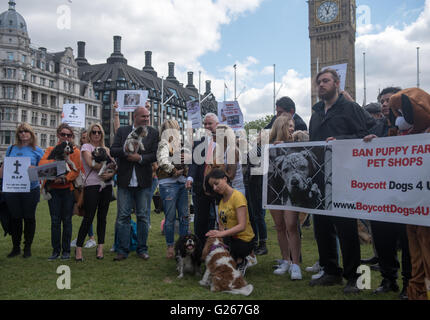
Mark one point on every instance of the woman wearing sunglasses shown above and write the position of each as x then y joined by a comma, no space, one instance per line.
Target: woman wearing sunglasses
22,205
61,204
97,192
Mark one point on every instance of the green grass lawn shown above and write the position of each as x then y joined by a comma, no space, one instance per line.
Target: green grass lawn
36,277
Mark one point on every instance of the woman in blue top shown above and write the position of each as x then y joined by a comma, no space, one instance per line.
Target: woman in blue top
23,205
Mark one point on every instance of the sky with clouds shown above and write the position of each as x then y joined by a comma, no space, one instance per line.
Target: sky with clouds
212,35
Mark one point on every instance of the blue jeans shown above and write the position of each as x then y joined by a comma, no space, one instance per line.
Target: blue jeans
175,198
126,199
61,211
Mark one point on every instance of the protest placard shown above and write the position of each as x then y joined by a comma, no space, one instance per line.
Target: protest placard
129,100
229,113
194,114
49,171
74,114
15,175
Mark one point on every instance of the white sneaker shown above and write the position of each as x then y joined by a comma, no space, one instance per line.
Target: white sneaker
283,267
318,275
295,272
315,268
73,243
252,260
90,244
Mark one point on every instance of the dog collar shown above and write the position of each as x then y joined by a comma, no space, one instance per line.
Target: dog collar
216,246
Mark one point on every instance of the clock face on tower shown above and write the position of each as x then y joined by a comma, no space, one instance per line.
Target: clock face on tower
327,11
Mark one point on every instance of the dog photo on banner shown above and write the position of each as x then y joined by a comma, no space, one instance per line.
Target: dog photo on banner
298,175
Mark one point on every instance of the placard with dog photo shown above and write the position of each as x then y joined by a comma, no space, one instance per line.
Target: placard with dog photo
129,100
297,176
49,171
74,114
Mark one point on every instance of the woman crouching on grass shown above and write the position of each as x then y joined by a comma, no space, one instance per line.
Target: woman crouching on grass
233,219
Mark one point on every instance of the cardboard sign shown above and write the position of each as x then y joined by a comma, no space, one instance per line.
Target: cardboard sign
15,174
229,113
74,115
129,100
49,171
194,114
341,71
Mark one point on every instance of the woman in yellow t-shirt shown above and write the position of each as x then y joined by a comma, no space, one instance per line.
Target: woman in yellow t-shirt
234,224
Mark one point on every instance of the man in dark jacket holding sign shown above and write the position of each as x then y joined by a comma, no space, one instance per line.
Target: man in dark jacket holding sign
335,117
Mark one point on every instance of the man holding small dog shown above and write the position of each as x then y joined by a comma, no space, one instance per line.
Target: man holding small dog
134,184
336,117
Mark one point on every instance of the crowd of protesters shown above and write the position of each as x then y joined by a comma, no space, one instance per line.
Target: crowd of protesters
226,194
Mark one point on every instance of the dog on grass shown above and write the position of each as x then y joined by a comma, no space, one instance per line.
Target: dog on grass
188,253
221,273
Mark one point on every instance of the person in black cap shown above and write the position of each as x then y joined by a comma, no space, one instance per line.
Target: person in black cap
375,110
286,104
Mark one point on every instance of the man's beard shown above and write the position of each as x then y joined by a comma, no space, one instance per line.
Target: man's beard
328,95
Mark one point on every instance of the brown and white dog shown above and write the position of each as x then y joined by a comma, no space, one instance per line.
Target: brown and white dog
221,273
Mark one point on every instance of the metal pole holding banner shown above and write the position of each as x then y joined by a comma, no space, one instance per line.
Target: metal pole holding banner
364,77
274,90
418,67
235,82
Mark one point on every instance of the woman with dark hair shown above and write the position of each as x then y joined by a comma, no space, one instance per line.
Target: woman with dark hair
62,201
97,194
233,218
23,205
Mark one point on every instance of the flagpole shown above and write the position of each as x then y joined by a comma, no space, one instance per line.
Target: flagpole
364,77
224,90
418,67
234,82
274,90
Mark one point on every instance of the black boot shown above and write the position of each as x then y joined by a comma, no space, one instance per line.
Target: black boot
404,293
27,251
262,249
15,252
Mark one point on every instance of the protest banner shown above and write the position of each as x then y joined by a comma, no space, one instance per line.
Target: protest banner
341,71
15,175
229,113
384,180
74,114
194,114
129,100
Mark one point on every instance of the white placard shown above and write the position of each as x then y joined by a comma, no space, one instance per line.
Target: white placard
341,71
49,171
15,174
129,100
74,114
384,180
229,113
194,114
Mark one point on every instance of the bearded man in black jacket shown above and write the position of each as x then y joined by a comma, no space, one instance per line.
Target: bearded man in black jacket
335,117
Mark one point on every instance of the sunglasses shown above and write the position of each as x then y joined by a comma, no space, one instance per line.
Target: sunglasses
68,135
96,132
22,131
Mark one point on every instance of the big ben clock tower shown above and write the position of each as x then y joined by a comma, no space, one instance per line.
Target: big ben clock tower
332,29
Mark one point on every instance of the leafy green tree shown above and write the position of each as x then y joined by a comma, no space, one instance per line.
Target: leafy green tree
258,124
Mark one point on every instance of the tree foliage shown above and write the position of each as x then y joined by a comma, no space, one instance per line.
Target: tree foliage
258,124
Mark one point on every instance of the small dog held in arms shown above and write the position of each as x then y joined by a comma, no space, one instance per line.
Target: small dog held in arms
61,152
134,141
101,156
188,252
221,273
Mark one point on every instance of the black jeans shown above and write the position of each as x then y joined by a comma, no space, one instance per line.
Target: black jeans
254,196
95,200
326,228
23,207
238,248
386,237
202,216
61,211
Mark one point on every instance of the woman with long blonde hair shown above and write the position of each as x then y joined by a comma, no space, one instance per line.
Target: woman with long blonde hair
97,191
22,205
286,220
171,175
